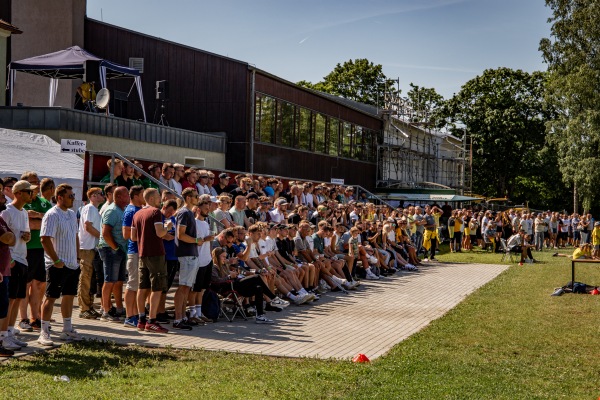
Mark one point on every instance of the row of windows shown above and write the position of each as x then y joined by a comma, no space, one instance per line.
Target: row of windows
286,124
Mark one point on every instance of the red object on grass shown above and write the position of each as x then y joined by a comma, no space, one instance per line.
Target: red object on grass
595,292
360,358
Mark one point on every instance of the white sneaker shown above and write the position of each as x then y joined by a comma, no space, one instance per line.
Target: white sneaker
371,276
356,283
45,340
14,331
426,259
410,267
277,302
18,342
72,335
261,319
308,297
9,343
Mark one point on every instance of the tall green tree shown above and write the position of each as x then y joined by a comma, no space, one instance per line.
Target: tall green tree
359,80
573,57
503,110
425,103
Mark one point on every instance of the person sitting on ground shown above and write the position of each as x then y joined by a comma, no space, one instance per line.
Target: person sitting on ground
582,252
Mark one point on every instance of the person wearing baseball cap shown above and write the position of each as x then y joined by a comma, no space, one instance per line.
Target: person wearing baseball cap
278,214
17,219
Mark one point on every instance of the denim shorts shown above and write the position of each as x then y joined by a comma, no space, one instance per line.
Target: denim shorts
114,265
188,269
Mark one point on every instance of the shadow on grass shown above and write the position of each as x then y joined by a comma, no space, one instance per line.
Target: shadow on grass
90,359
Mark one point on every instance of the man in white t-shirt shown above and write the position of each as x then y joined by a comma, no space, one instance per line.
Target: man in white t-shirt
204,274
278,214
90,226
178,177
17,219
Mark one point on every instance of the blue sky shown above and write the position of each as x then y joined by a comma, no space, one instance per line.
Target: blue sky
432,43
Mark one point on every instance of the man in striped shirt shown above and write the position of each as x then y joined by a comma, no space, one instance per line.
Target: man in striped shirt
60,242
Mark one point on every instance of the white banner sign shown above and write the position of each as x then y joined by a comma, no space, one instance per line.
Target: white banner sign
337,181
72,146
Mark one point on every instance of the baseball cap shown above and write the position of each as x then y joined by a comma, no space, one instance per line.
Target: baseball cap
223,175
213,199
281,202
23,185
251,196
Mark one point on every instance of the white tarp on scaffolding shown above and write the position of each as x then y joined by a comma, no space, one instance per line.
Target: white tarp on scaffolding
25,151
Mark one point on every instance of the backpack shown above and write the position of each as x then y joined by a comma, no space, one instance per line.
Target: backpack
579,287
210,305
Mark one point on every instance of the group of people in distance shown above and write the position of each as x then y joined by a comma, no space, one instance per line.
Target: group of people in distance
523,231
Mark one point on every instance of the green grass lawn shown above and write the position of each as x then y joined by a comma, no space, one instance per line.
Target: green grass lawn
508,340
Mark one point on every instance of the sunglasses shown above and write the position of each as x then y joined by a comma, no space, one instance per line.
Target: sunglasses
203,203
204,177
28,191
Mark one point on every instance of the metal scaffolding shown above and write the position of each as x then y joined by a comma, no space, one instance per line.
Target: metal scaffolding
415,155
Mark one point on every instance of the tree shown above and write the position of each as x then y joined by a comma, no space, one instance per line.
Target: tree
425,103
359,80
573,58
503,111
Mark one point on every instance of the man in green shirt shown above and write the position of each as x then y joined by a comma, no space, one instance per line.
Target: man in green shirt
154,170
36,271
118,169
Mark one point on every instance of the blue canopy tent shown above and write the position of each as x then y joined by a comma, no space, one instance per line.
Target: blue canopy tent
70,64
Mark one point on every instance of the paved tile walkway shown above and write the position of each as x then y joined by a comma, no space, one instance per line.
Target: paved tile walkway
369,320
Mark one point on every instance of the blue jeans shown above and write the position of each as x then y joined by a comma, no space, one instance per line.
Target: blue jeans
114,267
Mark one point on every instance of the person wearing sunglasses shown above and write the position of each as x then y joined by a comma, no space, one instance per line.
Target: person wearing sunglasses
17,219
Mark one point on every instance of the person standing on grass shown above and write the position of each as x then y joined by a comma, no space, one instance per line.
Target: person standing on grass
112,247
60,241
89,235
7,238
17,219
147,230
187,252
36,271
136,195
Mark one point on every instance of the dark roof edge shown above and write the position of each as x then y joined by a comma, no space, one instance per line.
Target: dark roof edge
7,26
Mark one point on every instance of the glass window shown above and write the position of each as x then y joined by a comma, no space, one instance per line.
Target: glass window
347,140
304,125
267,119
257,117
334,137
285,126
357,144
320,133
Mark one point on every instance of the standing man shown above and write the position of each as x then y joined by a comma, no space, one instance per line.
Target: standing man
60,241
90,225
148,230
136,195
112,247
187,252
36,271
7,238
17,219
178,177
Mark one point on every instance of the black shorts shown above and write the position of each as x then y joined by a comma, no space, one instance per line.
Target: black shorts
17,284
61,281
36,265
4,297
546,234
172,269
203,278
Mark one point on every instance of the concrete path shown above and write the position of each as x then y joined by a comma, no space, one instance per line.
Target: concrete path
369,320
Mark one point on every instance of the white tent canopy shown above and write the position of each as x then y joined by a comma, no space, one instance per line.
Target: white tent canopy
25,151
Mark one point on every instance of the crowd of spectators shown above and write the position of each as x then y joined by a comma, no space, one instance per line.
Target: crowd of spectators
272,243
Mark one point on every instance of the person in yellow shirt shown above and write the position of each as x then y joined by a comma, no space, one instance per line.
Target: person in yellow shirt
596,239
582,252
86,93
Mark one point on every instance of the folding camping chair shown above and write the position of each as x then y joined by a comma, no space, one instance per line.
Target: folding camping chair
231,302
506,253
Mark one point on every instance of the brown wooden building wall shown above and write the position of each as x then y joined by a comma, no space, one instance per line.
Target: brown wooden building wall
211,93
207,93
